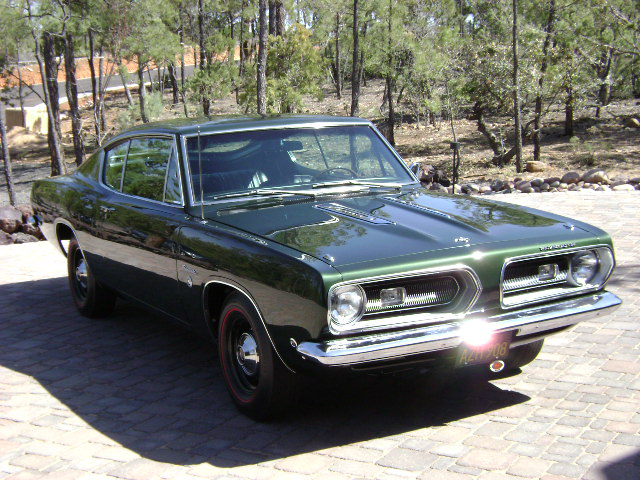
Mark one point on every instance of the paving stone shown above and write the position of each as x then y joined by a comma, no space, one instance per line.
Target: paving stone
486,459
528,467
405,459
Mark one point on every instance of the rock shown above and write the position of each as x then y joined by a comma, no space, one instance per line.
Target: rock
23,238
555,184
623,188
545,187
536,182
10,219
580,183
632,123
595,175
535,166
485,189
563,185
30,229
585,185
553,189
429,174
574,187
510,185
552,180
517,179
635,180
617,182
456,189
26,210
436,187
536,189
5,238
470,188
498,185
571,177
522,185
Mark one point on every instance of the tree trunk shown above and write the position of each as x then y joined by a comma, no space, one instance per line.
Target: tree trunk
203,55
389,82
142,91
272,17
174,82
8,175
101,90
20,90
279,18
338,73
122,70
605,81
363,80
94,90
54,133
478,114
537,134
568,112
72,96
262,58
181,48
516,91
355,74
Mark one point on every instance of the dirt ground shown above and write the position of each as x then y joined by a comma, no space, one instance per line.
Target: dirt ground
598,142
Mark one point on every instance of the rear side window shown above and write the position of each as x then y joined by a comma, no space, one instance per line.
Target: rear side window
146,169
114,165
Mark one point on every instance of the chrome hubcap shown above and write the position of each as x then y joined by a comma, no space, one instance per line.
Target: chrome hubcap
81,275
247,354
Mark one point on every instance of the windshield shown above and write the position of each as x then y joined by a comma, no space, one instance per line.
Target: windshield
289,159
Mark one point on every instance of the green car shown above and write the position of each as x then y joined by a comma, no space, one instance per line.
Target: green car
304,244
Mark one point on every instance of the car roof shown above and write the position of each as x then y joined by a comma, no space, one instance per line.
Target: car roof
226,123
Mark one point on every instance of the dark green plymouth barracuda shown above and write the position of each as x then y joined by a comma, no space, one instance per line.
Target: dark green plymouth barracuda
304,244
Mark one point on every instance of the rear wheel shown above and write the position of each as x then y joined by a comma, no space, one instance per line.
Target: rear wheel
258,382
92,299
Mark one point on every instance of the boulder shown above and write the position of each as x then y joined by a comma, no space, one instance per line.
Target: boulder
595,175
563,185
551,180
632,123
26,210
23,238
617,182
470,188
430,174
30,229
535,166
485,189
635,180
5,238
555,184
522,185
536,182
571,177
456,189
10,219
624,188
545,187
498,185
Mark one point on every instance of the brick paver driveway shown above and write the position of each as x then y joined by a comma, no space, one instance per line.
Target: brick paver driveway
133,397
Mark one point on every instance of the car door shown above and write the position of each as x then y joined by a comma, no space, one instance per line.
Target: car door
138,221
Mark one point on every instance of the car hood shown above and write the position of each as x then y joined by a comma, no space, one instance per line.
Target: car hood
352,229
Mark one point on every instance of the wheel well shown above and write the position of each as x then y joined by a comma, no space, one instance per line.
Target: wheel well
64,232
214,297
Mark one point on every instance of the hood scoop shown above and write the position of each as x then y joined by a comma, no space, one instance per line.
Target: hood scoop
416,206
338,209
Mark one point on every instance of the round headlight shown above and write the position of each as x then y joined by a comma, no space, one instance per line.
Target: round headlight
584,266
346,304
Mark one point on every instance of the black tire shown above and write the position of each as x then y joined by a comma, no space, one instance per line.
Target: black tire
91,299
257,381
523,355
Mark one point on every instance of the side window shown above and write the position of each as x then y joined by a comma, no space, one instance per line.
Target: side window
146,168
114,164
173,190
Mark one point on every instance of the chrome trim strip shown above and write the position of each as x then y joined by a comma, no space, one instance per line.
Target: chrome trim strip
406,320
537,320
553,253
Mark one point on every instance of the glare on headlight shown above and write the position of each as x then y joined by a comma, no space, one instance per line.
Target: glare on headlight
346,304
584,266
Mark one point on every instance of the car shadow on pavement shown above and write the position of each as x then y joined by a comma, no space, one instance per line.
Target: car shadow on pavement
157,389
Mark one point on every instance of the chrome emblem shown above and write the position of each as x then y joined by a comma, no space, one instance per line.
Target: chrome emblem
557,247
547,272
462,239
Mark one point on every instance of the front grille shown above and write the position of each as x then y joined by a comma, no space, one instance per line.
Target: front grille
528,280
525,275
421,293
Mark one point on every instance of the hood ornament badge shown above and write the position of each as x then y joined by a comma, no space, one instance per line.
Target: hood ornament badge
462,240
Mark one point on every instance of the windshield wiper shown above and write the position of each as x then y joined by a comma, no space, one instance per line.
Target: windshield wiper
362,183
264,192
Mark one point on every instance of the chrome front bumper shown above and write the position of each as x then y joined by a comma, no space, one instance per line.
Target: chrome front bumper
534,323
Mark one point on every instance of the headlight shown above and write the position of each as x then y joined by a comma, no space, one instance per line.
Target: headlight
584,266
346,304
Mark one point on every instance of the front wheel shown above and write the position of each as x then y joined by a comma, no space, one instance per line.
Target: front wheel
91,299
258,382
